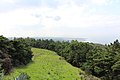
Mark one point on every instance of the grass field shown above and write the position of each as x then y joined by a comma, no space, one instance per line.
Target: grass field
47,65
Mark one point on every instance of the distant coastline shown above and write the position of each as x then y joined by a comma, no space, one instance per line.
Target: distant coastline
54,38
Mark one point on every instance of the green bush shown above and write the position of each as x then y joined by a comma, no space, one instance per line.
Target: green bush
13,53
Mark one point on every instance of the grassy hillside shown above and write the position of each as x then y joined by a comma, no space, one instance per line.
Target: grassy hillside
47,65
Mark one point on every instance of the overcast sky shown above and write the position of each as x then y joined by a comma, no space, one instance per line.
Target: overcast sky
95,20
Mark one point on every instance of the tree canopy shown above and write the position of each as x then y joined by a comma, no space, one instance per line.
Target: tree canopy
100,60
13,53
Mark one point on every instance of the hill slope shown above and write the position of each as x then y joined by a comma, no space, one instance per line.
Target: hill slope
47,65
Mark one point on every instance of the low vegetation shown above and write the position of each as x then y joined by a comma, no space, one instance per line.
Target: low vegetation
47,65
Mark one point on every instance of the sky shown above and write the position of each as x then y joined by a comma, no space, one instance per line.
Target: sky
95,20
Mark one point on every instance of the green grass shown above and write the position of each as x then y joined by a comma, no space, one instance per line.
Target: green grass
47,65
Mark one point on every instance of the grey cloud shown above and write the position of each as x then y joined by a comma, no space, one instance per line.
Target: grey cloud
37,15
49,16
57,18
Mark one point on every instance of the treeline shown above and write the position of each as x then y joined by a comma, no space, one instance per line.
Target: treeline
13,53
100,60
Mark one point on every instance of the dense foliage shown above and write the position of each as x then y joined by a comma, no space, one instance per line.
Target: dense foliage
47,65
13,53
100,60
